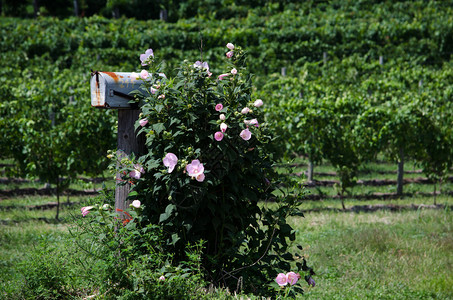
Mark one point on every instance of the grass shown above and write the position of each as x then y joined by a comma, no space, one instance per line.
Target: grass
17,242
383,254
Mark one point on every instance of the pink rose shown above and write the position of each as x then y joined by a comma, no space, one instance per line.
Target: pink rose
153,90
245,134
258,103
245,110
202,65
292,278
137,172
144,57
218,136
143,122
230,46
136,203
229,54
200,178
281,279
161,97
162,278
252,122
144,74
170,160
222,117
195,168
223,127
234,71
219,107
85,210
222,76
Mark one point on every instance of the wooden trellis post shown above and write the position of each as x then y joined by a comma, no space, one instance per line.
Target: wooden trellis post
111,90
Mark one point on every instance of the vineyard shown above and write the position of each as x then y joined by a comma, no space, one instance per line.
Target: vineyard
358,99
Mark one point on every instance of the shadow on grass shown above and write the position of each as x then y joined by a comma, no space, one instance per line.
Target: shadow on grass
378,207
49,205
40,219
44,192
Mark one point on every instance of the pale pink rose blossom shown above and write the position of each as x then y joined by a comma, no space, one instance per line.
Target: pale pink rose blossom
234,71
161,97
195,168
202,65
135,76
218,136
153,90
144,57
162,278
223,127
143,122
222,76
230,46
137,172
219,107
292,278
136,203
144,74
229,54
258,103
252,122
197,64
170,161
200,178
245,110
85,210
222,117
281,279
245,134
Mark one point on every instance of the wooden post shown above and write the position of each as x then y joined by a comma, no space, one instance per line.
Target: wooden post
36,8
76,8
400,175
283,71
381,60
128,143
324,58
163,15
310,171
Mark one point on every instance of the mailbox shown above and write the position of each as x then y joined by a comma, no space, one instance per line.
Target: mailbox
111,89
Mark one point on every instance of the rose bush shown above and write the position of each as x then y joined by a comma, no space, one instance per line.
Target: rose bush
207,169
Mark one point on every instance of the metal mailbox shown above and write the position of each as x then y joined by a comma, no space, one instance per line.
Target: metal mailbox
111,89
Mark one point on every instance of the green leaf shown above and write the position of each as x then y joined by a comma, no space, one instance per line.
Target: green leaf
167,214
158,128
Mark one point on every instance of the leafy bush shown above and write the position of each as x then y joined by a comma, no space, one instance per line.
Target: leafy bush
206,170
126,259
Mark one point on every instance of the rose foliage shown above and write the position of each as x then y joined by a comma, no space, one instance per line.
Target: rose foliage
206,171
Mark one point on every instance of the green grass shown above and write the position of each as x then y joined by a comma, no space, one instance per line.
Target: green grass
405,254
380,255
17,243
349,202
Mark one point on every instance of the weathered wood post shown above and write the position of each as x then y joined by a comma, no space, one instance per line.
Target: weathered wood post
111,90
